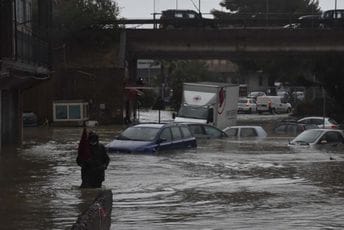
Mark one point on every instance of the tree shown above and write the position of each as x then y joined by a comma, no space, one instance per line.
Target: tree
329,72
255,7
82,19
178,72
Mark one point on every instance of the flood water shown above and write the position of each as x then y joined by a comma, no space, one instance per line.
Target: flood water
223,184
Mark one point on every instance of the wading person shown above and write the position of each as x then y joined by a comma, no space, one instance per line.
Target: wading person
93,160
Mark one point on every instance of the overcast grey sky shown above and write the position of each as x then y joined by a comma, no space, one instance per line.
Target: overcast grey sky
145,8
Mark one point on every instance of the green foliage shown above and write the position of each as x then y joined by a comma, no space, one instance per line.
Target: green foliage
273,6
80,19
329,71
179,72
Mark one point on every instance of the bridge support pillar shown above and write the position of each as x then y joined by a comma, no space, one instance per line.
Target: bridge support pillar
132,70
11,117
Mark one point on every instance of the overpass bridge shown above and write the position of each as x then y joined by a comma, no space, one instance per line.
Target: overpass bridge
230,44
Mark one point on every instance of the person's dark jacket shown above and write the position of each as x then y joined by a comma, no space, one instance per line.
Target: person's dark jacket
93,169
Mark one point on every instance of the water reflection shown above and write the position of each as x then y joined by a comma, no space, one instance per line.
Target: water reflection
223,184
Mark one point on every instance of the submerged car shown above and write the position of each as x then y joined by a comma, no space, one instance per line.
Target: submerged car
292,128
205,131
176,18
244,131
321,122
151,138
313,137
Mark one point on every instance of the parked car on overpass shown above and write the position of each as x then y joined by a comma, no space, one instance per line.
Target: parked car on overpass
332,19
175,18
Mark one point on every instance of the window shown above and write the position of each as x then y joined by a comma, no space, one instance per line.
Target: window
233,132
176,133
280,129
332,137
73,111
196,129
211,131
178,15
191,16
186,132
61,112
292,128
166,134
248,132
317,121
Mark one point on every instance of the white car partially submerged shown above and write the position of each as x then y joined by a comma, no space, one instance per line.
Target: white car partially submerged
245,131
321,122
312,137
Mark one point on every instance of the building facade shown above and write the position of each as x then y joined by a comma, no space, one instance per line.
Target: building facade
25,59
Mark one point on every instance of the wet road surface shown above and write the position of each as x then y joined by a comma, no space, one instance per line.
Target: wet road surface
223,184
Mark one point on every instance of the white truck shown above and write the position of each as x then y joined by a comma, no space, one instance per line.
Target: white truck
209,102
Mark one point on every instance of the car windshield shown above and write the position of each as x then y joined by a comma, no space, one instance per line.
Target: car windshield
193,112
332,121
308,136
243,101
139,134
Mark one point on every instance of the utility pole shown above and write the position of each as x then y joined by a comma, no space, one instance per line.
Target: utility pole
199,6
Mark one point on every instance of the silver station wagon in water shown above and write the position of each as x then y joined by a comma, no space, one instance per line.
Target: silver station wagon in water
313,137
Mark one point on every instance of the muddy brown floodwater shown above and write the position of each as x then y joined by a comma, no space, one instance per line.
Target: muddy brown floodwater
223,184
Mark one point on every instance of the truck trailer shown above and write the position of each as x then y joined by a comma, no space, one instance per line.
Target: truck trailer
209,102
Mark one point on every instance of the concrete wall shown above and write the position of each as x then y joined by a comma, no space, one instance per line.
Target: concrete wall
11,127
98,214
98,86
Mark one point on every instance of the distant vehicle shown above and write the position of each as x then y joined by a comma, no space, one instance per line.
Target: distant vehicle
313,137
285,95
299,95
292,128
214,103
30,119
245,131
272,104
171,19
205,131
247,105
255,94
321,122
332,19
309,21
151,138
